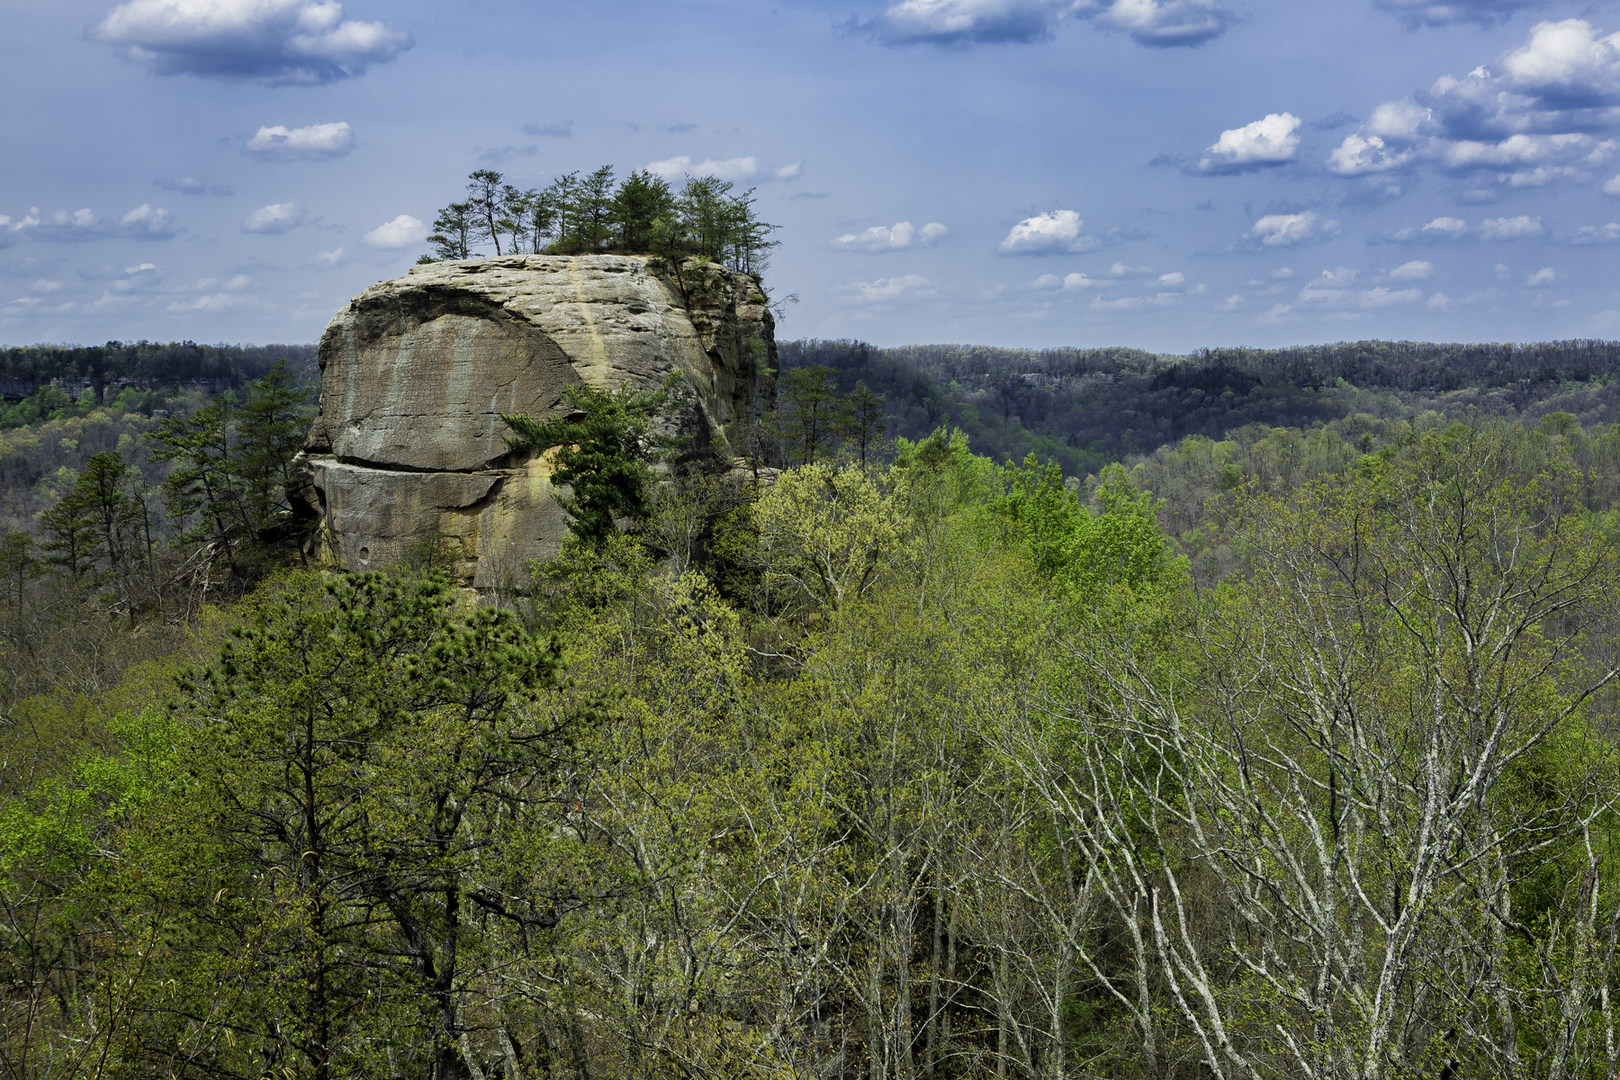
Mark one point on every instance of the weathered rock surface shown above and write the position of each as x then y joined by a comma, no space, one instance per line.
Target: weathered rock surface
407,447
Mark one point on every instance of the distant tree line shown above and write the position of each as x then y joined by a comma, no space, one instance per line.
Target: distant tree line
1085,408
591,214
156,365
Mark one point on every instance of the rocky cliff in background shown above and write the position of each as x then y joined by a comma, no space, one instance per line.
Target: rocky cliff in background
407,447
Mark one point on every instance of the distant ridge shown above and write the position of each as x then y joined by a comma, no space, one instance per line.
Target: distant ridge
146,365
1084,408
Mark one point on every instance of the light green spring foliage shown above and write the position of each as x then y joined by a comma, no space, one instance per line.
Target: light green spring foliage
907,770
827,535
1118,543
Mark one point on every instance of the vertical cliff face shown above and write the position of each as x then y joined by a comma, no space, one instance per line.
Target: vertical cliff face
407,447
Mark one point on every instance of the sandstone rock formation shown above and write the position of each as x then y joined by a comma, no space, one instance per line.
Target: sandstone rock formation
407,447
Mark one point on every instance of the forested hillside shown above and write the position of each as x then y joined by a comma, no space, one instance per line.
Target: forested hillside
1086,408
141,366
66,404
933,767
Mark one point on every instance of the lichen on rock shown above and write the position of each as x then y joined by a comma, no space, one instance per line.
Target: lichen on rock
408,447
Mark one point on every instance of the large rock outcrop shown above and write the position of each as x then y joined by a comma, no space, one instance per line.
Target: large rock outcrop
407,447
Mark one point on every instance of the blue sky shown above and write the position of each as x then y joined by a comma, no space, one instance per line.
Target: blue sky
1166,174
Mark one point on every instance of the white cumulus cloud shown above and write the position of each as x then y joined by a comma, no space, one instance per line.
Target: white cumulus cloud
274,219
148,222
304,42
1162,22
1404,119
402,232
897,237
1564,79
316,142
1271,140
1448,227
1286,230
1392,136
1510,228
1545,111
966,22
1053,231
1543,277
1360,154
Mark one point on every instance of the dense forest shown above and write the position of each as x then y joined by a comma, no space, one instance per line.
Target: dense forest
1284,749
140,366
922,765
1085,408
66,404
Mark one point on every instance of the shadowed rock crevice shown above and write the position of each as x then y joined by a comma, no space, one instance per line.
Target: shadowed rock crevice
408,444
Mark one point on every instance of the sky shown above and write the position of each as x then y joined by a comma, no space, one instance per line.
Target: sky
1162,174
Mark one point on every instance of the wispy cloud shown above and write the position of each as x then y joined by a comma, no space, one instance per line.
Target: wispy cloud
500,155
553,129
961,23
888,290
1597,234
1446,228
190,185
1420,13
1335,290
144,222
